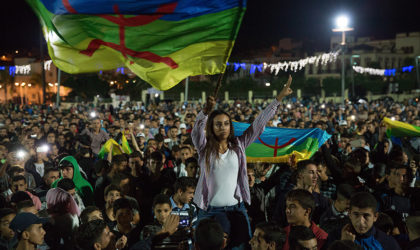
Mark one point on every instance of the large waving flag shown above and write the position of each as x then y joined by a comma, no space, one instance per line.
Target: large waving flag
276,145
400,129
162,41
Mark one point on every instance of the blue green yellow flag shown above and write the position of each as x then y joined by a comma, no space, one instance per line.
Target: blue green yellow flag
162,41
276,145
106,148
124,144
400,129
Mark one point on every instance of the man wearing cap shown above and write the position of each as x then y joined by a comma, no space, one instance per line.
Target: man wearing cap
183,128
28,228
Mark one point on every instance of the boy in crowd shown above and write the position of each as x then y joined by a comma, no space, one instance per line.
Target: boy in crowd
268,236
90,213
28,228
300,205
124,216
95,235
302,238
162,237
50,176
307,179
336,216
191,166
361,230
19,184
112,193
209,235
181,201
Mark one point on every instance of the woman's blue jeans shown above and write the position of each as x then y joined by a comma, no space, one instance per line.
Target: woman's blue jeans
221,213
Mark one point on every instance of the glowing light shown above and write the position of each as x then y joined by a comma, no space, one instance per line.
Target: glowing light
43,149
50,84
92,114
323,106
16,83
141,126
289,106
21,154
156,95
17,51
29,85
23,84
56,84
353,117
342,22
393,118
267,84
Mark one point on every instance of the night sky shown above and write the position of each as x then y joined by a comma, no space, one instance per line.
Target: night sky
265,21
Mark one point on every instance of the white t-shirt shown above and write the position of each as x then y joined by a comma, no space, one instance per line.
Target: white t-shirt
40,168
224,178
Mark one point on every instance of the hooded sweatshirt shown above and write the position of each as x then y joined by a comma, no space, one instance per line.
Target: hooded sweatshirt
83,187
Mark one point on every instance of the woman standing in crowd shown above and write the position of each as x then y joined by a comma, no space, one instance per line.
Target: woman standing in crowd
223,184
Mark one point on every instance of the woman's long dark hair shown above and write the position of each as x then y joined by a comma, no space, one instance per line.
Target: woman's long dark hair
212,145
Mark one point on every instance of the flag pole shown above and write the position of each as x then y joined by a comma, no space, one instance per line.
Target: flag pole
219,84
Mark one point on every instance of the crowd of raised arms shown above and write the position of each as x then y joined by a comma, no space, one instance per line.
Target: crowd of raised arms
59,190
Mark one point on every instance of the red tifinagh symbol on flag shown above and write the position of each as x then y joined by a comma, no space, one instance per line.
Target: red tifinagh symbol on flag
123,22
276,146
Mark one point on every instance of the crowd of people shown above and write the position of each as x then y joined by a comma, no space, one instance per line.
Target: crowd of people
171,191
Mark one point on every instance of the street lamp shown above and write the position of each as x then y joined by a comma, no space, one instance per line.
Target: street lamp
342,23
352,63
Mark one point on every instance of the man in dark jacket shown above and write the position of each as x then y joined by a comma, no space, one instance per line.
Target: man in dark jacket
258,208
336,216
363,214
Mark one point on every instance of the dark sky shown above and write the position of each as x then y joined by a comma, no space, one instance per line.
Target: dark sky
264,23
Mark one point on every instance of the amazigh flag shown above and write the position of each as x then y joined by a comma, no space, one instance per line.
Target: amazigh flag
106,148
400,129
278,144
124,145
162,41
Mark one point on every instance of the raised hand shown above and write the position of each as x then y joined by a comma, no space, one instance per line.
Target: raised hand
121,242
211,102
347,234
286,89
171,224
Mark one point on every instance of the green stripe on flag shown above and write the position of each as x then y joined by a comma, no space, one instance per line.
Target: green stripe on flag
197,45
258,151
